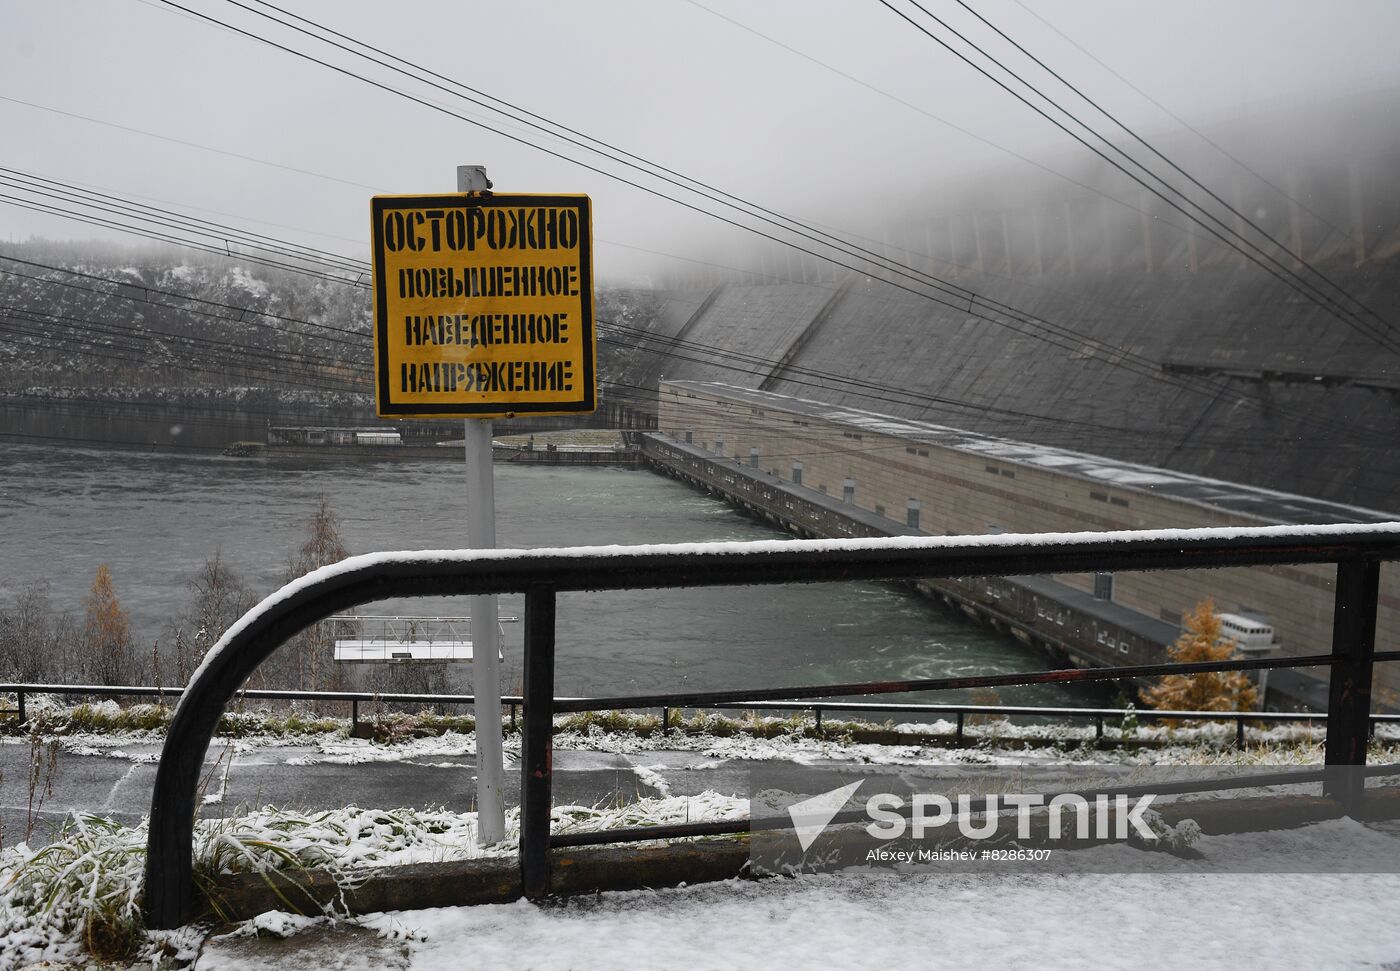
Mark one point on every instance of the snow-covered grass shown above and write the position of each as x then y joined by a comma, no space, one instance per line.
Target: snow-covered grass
81,894
152,720
637,730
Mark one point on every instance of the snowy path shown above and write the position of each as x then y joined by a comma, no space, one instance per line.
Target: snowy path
884,921
856,919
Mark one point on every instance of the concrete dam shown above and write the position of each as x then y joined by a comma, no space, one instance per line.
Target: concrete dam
1115,367
1138,335
820,470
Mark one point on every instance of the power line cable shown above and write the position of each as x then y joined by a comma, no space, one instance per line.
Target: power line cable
1176,168
132,345
933,117
226,251
188,144
53,188
1193,130
1215,227
246,314
1280,271
971,300
920,276
751,363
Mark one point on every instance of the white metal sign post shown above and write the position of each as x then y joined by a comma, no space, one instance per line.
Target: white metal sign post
486,665
483,308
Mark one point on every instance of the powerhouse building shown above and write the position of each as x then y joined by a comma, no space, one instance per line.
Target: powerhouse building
827,470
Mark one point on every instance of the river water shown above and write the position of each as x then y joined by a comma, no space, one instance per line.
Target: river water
155,517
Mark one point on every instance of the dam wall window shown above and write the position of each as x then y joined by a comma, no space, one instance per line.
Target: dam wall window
753,457
1103,586
848,490
911,514
689,435
797,473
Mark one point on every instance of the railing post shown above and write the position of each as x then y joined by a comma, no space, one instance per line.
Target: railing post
537,746
1349,693
1098,728
1239,733
960,728
19,704
818,710
354,717
665,720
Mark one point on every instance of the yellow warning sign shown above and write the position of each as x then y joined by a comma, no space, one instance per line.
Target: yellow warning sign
483,305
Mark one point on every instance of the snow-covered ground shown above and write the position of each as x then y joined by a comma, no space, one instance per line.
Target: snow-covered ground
885,920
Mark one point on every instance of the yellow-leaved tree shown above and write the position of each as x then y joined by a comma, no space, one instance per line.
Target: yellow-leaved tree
111,657
1201,640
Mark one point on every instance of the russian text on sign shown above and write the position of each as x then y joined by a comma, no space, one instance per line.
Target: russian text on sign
483,305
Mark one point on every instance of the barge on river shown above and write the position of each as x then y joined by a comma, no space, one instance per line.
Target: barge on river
382,443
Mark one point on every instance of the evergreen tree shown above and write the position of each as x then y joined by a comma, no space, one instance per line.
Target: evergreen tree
111,657
1201,640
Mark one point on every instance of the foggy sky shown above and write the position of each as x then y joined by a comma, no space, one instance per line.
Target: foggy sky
664,79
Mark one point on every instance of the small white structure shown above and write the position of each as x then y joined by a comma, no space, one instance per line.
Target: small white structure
387,640
378,438
1254,635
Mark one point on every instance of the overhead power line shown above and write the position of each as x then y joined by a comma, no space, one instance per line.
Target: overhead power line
1177,200
976,305
945,293
1187,126
1214,196
872,391
1224,233
683,351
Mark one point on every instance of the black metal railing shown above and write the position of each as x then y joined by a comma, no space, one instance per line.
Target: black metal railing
959,713
541,575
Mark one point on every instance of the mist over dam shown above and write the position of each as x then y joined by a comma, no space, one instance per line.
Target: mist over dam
1091,315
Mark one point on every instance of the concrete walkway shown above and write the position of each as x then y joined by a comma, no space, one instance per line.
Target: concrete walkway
115,780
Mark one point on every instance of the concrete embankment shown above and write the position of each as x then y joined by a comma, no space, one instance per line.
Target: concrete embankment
1081,630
